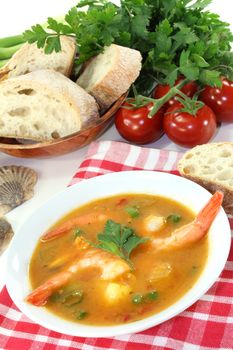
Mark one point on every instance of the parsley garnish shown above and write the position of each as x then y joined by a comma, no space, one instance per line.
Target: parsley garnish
119,240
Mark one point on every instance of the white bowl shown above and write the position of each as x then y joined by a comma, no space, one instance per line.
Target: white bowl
157,183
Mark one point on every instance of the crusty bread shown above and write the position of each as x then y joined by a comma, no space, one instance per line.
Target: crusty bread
44,105
110,74
211,166
29,58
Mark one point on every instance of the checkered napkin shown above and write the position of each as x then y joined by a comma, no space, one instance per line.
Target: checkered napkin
207,324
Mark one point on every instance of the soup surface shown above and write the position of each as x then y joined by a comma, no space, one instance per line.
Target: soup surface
125,281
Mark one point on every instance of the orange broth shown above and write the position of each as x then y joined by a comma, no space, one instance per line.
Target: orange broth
157,280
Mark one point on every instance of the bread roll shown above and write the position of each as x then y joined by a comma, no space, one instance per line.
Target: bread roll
29,58
44,105
110,74
211,166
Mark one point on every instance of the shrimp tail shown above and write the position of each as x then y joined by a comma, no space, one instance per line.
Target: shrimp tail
196,229
40,295
51,234
71,224
207,214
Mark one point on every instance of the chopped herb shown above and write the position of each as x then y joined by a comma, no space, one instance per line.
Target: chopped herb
70,298
119,240
132,211
145,298
55,297
194,269
137,299
174,218
81,315
77,233
152,295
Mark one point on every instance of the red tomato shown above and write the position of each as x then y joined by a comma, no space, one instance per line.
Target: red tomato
187,130
220,100
189,89
135,126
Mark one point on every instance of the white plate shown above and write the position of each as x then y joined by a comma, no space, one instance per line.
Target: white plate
157,183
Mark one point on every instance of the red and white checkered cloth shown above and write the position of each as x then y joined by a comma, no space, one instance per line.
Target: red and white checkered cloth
207,324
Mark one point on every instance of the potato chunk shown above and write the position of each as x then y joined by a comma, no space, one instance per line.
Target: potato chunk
115,292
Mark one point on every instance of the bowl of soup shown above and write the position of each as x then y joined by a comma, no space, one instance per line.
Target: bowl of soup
118,253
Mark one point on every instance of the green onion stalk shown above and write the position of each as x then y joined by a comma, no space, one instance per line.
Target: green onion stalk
9,46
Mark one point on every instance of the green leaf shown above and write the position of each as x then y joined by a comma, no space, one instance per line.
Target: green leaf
200,61
113,230
190,72
132,242
126,233
171,77
184,58
200,4
111,247
210,77
52,44
36,34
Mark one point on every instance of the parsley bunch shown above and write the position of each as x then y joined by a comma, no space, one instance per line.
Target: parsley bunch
175,37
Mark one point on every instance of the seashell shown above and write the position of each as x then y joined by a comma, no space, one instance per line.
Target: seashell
6,233
16,186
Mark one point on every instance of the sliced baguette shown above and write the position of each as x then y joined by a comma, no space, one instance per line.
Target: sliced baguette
110,74
29,58
211,166
44,105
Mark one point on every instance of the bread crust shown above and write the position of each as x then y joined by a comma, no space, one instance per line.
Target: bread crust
194,161
57,87
117,80
16,65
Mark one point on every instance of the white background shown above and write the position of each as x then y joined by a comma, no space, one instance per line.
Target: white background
55,173
18,15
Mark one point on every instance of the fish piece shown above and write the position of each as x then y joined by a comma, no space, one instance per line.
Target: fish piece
195,230
110,266
16,186
6,234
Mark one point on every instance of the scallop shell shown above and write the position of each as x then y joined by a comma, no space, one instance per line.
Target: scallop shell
16,186
6,233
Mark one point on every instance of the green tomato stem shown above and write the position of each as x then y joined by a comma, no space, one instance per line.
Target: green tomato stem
158,103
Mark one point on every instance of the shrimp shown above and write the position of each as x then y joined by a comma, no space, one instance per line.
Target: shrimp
195,230
72,223
110,267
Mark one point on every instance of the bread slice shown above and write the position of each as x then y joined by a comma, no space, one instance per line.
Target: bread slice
44,105
211,166
110,74
29,58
